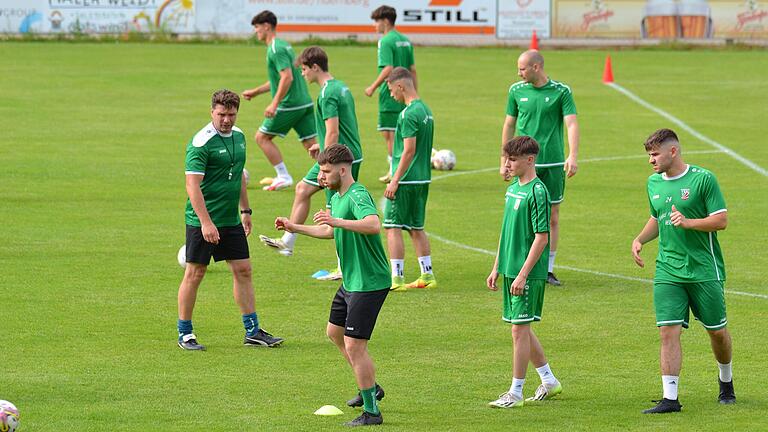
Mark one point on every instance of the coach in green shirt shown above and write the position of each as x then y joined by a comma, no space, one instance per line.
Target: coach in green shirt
687,210
537,107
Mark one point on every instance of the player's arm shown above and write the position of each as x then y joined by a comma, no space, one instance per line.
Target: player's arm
490,282
383,75
367,225
316,231
409,151
331,131
539,243
507,133
649,232
245,217
714,222
210,233
251,93
286,79
572,126
415,79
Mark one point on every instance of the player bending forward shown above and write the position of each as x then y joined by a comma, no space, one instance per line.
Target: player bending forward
353,223
522,262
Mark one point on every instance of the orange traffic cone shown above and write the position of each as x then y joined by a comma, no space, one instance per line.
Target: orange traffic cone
608,71
534,41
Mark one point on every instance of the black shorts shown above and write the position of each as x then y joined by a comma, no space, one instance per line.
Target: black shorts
357,311
232,245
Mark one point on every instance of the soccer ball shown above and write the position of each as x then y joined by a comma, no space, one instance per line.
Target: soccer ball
182,256
9,416
444,160
247,176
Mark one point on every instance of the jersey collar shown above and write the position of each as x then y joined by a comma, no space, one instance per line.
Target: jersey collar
664,175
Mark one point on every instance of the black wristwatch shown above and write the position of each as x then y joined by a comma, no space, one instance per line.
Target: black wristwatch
246,211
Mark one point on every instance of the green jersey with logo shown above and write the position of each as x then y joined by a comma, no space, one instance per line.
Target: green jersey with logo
686,255
335,100
539,112
220,159
526,212
363,262
394,50
280,56
415,121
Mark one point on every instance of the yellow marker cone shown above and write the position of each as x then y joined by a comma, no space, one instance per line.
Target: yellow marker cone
328,410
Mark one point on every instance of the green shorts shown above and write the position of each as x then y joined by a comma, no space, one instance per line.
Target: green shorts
387,121
301,120
674,301
311,178
554,180
524,308
408,209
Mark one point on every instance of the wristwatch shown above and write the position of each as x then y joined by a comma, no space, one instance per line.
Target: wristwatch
246,211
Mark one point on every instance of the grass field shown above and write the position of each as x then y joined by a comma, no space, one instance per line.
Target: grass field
92,192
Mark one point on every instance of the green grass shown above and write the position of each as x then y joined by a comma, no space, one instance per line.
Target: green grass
92,213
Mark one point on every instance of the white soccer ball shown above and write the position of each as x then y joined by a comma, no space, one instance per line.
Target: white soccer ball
9,416
182,256
444,160
246,176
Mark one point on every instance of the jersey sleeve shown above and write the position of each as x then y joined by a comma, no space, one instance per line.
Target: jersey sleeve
330,105
511,104
364,205
567,106
282,58
539,207
713,197
410,123
386,53
195,160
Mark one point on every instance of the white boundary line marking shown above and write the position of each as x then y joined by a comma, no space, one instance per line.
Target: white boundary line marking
596,273
598,159
755,167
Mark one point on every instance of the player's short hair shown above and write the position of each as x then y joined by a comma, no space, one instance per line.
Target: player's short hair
313,55
400,73
659,138
521,146
384,13
225,97
265,17
335,155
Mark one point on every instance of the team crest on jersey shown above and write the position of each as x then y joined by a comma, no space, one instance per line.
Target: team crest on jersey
685,193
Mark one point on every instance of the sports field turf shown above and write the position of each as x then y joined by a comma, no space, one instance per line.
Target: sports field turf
92,191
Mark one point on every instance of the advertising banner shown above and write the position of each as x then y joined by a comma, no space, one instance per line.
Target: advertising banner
517,19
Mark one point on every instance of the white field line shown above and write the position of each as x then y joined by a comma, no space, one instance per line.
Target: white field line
597,159
575,269
755,167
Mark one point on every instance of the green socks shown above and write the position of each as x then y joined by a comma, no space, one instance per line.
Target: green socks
369,400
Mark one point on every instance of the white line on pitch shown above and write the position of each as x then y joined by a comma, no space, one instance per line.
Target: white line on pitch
575,269
598,159
755,167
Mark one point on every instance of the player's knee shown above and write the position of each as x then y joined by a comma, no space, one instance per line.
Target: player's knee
194,273
355,347
669,334
242,271
303,189
719,334
263,139
521,331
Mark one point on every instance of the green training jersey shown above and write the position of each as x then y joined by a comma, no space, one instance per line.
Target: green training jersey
335,100
280,55
361,256
220,159
539,112
415,121
394,50
526,212
686,255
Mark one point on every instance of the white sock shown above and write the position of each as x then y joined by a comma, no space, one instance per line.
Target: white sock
551,261
289,239
726,371
517,387
670,383
282,170
397,267
425,263
546,375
